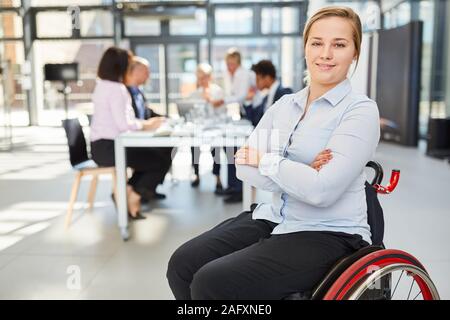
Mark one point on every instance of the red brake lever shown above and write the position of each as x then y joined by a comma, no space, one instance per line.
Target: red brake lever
395,176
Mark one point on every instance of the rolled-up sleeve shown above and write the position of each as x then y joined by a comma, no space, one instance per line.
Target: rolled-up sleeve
352,143
259,140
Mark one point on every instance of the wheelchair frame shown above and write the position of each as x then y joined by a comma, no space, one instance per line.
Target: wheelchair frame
353,277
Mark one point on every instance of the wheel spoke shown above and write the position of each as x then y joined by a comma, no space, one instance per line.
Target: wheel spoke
412,284
420,291
393,293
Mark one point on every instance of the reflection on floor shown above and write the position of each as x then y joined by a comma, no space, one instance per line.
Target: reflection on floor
40,260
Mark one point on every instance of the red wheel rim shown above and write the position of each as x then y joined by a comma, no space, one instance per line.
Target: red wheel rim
376,260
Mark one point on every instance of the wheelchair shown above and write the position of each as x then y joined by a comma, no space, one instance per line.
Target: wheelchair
374,272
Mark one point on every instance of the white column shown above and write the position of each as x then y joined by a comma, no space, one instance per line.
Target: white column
447,52
287,71
37,83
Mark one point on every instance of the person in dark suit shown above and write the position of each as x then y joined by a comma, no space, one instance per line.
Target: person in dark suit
138,74
266,80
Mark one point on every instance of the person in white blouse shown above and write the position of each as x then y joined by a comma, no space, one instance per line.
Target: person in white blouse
237,79
237,83
207,91
317,215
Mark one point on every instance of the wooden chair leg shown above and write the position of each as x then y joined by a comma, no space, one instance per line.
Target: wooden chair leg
92,190
114,185
73,198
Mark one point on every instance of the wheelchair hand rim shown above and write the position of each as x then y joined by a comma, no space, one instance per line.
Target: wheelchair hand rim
361,268
427,287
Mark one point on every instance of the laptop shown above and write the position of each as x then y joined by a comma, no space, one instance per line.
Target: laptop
185,106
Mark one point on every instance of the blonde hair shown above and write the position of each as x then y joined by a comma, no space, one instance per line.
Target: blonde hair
235,54
205,68
138,61
341,12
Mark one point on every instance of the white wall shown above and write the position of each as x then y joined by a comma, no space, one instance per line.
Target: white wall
359,79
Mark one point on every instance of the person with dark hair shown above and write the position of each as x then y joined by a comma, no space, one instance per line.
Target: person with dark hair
113,114
114,64
137,75
266,80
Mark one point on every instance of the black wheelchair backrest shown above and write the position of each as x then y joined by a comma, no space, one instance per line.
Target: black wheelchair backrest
375,217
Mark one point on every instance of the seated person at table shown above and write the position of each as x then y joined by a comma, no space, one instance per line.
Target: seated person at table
113,114
266,80
208,91
237,81
137,75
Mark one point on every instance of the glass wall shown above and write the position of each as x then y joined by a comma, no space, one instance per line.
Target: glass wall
397,16
266,32
87,54
10,3
11,25
181,70
280,20
53,3
53,24
190,25
233,21
173,37
141,26
96,23
286,53
262,29
155,87
13,91
427,16
13,99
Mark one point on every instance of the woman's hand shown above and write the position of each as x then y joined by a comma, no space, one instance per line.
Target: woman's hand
321,159
217,103
251,93
251,157
153,123
247,156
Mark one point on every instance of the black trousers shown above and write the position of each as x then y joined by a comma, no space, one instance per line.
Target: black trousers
150,164
233,182
195,155
240,259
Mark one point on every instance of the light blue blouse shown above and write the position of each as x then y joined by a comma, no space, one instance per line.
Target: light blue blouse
332,199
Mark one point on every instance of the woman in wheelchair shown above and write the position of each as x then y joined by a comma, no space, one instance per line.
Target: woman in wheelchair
318,212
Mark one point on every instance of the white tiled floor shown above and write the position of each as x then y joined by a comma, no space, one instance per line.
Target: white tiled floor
36,253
